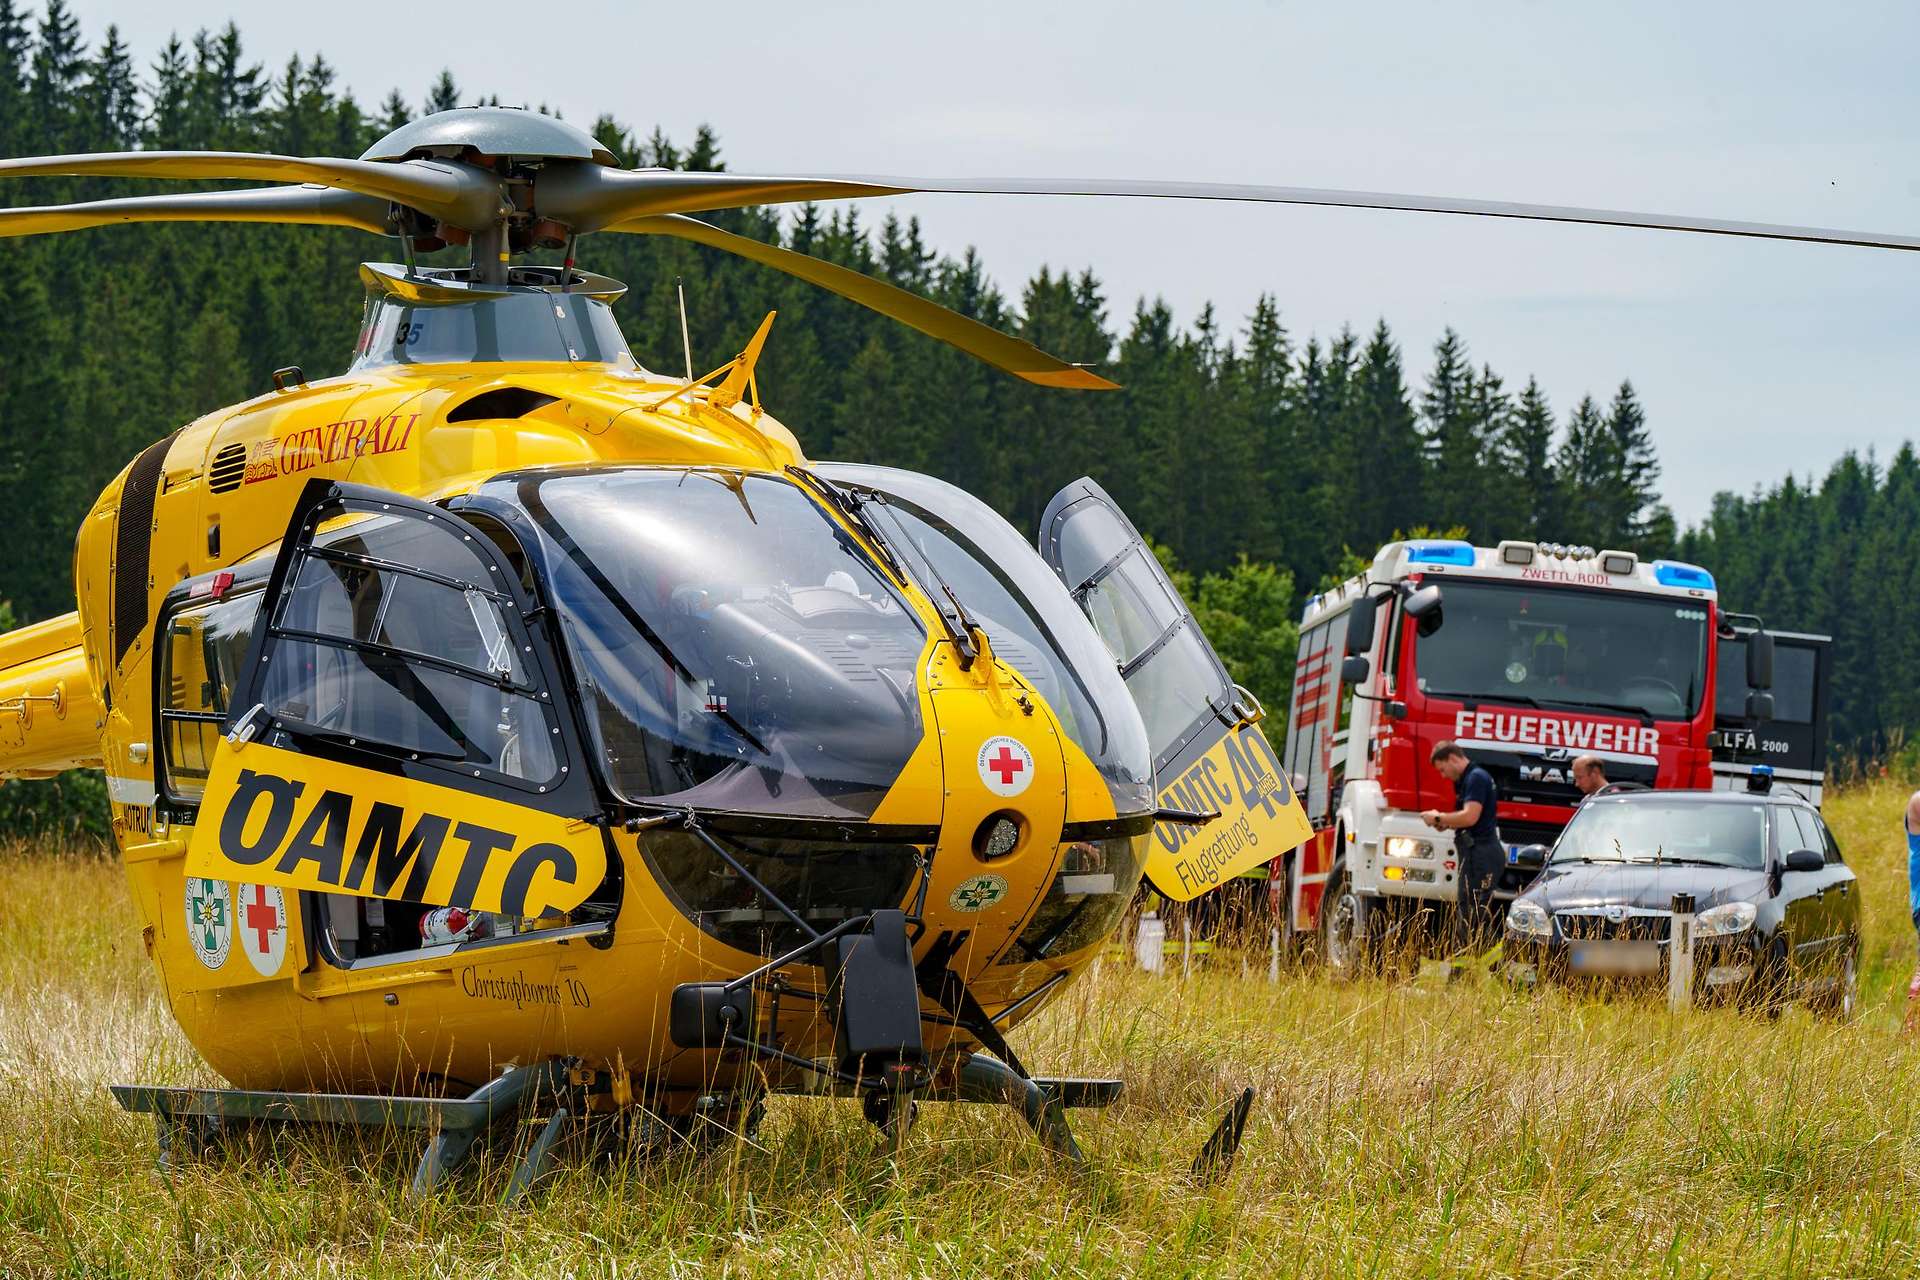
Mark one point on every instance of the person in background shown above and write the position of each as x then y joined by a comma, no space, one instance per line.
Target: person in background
1477,837
1912,825
1589,774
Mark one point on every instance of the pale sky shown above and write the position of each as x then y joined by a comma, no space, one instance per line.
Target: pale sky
1753,358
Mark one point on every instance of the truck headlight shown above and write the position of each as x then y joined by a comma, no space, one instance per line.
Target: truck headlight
1725,919
1408,847
1529,919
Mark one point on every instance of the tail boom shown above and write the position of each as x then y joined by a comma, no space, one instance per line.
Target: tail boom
50,713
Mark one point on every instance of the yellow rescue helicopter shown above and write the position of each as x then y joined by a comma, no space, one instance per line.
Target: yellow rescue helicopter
501,729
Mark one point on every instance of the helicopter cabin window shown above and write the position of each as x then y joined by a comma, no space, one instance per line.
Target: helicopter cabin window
398,635
361,933
205,644
1169,669
1031,621
530,325
733,648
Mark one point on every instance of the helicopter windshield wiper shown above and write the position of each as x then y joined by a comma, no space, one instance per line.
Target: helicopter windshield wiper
336,738
959,624
631,616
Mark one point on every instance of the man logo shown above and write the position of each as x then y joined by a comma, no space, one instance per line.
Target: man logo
1616,914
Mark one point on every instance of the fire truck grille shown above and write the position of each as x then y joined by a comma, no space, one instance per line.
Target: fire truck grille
1523,777
1529,833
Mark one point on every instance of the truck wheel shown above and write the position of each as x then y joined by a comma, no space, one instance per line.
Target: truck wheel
1343,929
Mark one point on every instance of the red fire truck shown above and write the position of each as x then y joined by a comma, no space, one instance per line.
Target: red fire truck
1526,654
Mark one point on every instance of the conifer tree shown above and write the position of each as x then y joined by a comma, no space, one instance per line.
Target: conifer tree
110,98
1451,436
444,95
1383,466
1524,456
393,112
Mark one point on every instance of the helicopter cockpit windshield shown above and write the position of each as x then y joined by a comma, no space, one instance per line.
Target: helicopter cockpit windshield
734,649
439,317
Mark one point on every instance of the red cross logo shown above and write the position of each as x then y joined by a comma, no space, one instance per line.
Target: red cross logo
262,918
1007,765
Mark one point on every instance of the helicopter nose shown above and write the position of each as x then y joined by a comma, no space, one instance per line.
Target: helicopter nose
1005,793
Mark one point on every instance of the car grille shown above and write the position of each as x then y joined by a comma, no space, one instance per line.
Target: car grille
1582,927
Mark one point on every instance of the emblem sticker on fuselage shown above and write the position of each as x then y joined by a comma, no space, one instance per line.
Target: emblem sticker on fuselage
210,920
979,892
263,927
1006,766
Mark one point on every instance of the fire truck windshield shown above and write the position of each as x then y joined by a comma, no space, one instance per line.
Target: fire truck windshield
1567,647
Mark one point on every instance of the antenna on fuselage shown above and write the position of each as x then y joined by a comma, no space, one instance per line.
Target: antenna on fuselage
686,339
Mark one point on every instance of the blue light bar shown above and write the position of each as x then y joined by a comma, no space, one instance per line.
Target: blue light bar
1672,573
1447,552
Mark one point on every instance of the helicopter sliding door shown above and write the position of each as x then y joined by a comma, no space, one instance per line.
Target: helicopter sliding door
394,732
1208,751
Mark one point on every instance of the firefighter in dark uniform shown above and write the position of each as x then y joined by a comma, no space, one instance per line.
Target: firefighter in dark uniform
1476,839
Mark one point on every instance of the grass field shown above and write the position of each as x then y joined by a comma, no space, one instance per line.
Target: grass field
1401,1130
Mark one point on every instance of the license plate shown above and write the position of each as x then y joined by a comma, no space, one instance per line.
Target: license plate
1615,959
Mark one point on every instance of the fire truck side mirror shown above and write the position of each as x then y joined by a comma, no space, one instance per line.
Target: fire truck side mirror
1759,706
1423,606
1354,669
1759,661
1360,626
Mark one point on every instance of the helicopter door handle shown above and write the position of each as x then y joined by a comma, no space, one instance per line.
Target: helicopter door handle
248,726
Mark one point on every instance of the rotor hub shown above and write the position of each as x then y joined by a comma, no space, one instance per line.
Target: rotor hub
489,131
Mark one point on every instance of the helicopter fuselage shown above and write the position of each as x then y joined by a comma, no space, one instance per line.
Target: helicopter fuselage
261,988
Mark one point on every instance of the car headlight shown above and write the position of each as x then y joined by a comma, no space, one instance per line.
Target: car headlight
1529,918
1408,847
1727,918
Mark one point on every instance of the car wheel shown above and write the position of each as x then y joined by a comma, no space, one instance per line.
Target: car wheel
1771,987
1343,931
1844,1000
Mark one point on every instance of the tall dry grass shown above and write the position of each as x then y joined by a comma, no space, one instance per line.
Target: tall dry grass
1401,1130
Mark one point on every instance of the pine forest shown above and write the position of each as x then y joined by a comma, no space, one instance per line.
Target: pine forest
1261,460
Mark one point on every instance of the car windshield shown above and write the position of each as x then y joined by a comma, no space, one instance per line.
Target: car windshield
734,648
1641,830
1565,647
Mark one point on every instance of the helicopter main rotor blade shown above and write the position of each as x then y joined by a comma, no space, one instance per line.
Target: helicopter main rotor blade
1001,350
313,206
591,197
672,191
454,193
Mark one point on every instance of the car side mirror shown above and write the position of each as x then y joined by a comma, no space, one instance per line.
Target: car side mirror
1530,857
1759,706
1805,860
1354,669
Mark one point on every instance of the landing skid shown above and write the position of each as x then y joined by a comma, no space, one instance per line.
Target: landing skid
457,1125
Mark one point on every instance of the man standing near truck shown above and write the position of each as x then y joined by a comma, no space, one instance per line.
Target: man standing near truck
1477,840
